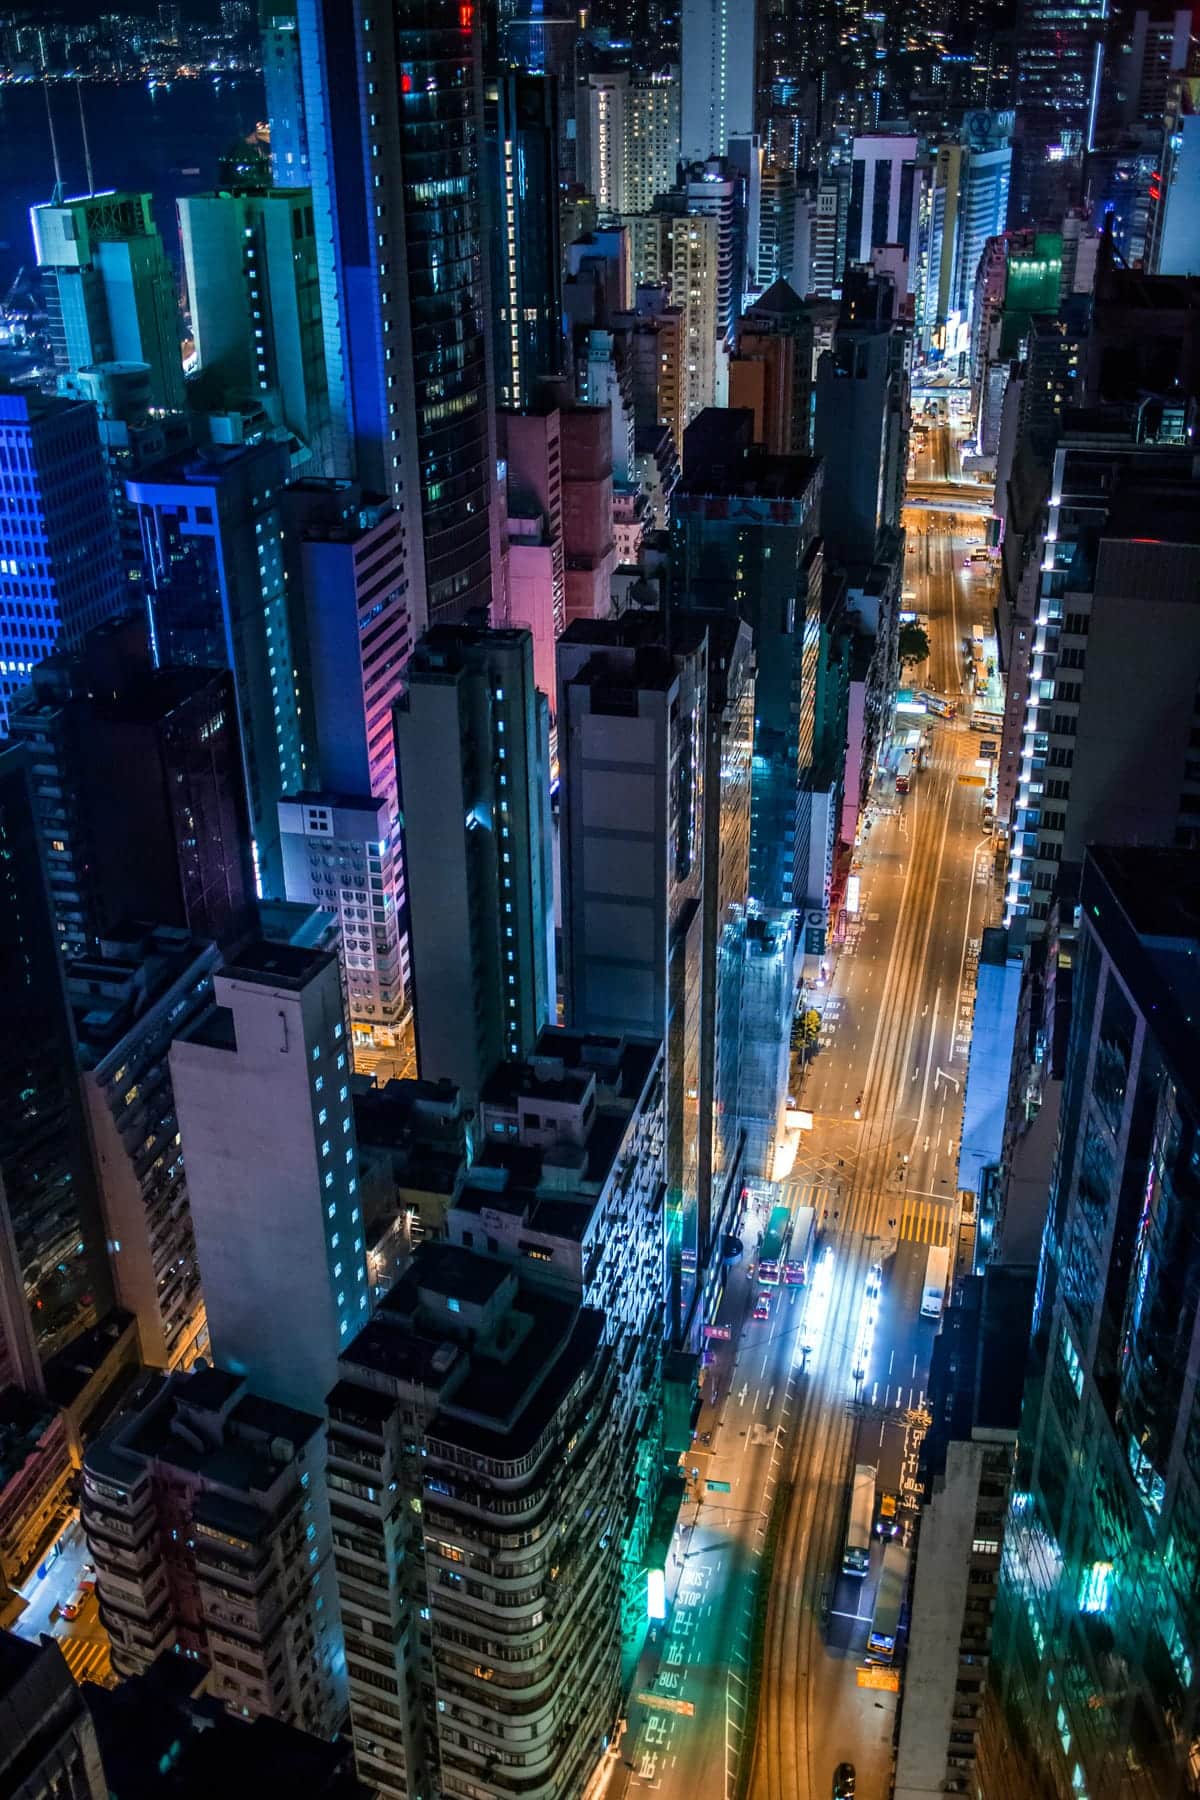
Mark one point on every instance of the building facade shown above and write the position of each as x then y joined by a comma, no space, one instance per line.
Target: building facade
472,736
206,1516
483,1407
60,564
1095,1645
250,260
262,1090
129,1001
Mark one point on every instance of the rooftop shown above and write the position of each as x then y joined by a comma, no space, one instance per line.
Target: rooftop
278,965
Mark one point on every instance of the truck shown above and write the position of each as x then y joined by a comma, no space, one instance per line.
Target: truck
883,1442
889,1604
905,769
857,1554
798,1262
933,1291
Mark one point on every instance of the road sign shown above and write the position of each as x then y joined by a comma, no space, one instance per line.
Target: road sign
668,1703
972,781
870,1676
724,1332
718,1487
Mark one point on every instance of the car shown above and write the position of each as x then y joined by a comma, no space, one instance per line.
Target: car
762,1307
875,1281
843,1781
71,1609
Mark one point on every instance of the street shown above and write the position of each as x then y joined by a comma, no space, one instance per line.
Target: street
893,1048
82,1640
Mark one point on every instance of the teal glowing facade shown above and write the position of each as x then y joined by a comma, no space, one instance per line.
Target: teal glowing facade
1096,1651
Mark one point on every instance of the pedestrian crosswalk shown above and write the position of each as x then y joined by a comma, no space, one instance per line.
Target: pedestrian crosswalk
86,1658
925,1222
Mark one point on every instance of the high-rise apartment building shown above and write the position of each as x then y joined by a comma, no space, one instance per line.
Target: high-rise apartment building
283,84
771,370
60,566
217,595
884,204
860,420
632,720
523,233
139,790
530,446
1059,59
745,542
1092,1647
684,253
477,1398
350,605
110,293
631,138
965,1473
262,1091
395,134
718,48
53,1275
1106,750
141,990
472,738
729,750
207,1518
250,259
567,1187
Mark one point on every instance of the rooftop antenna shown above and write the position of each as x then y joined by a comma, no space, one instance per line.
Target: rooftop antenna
87,149
56,196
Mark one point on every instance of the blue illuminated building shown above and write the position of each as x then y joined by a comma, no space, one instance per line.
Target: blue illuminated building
394,110
60,566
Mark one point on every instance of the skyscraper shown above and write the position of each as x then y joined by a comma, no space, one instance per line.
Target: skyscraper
129,1001
632,716
523,233
718,46
1106,737
53,1276
60,566
469,1361
217,595
349,600
395,149
262,1089
109,289
284,86
207,1518
567,1188
1059,54
472,737
1096,1586
139,790
744,540
250,258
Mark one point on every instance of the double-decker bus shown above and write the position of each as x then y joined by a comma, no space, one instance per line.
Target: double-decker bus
802,1248
856,1556
773,1252
889,1604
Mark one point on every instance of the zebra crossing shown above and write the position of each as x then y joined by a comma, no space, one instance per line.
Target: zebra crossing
86,1658
925,1222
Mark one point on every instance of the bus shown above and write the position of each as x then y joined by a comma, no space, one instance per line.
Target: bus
933,1293
904,772
889,1604
944,709
802,1247
986,721
773,1251
857,1554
